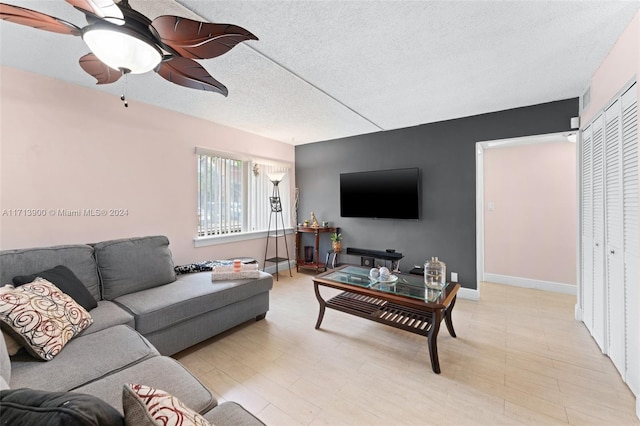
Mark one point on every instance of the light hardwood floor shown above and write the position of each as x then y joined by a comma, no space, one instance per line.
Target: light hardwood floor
520,358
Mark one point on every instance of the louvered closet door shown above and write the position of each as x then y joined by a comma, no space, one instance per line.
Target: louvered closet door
615,336
631,256
599,293
587,228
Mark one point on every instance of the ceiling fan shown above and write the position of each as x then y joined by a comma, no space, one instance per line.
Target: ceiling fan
124,41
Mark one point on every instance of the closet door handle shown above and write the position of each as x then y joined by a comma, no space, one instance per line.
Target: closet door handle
612,251
597,244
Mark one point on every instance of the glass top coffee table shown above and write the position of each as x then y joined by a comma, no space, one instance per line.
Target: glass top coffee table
403,302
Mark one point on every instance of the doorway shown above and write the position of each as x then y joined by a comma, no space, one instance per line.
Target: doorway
526,212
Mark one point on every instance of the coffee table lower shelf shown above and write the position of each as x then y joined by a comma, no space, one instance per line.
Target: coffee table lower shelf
383,312
376,309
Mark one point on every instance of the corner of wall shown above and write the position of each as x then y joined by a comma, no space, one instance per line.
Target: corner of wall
577,312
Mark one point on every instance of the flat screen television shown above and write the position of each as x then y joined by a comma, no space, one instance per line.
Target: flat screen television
383,194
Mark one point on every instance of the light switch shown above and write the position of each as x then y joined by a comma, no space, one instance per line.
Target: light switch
491,206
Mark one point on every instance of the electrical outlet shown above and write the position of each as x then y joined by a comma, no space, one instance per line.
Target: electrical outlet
454,277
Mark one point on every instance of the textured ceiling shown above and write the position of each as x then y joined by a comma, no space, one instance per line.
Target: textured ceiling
329,69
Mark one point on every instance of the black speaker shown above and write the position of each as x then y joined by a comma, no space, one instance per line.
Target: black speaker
367,261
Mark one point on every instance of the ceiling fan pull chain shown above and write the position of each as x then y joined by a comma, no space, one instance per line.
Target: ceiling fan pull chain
123,98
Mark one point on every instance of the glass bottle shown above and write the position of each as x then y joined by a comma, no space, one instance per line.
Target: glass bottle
435,273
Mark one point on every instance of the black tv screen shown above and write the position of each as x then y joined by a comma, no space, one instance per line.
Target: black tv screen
384,194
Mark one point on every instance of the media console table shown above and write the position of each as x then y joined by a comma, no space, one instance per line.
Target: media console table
405,304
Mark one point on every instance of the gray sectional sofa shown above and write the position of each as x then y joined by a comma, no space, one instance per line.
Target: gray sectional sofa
144,313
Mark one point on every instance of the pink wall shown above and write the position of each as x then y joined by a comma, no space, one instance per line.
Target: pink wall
620,66
68,147
531,233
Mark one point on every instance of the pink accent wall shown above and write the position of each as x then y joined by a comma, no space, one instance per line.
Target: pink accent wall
531,233
620,66
67,147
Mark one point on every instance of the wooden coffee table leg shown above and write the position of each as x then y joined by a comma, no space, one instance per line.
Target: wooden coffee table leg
447,317
433,343
322,305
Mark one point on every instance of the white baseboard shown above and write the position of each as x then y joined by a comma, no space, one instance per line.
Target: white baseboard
638,407
282,267
529,283
468,293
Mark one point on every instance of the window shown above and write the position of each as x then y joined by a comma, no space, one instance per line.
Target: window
233,194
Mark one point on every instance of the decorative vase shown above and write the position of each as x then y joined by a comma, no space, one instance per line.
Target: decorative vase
337,246
435,273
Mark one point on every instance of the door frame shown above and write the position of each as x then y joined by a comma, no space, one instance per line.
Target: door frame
480,148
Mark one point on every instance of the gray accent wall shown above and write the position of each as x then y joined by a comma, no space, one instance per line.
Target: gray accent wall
445,154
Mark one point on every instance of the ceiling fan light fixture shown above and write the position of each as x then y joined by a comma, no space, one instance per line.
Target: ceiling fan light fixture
121,49
123,40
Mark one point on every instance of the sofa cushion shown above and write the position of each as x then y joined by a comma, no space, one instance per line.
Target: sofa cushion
108,314
133,264
232,413
78,258
188,297
83,360
160,372
63,278
41,317
37,407
147,406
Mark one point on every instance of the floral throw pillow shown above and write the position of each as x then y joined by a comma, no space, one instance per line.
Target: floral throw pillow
41,317
144,405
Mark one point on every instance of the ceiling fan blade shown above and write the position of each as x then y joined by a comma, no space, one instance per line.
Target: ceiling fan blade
31,18
197,40
188,73
95,67
105,9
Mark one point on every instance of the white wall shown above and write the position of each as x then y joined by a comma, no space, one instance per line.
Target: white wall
68,147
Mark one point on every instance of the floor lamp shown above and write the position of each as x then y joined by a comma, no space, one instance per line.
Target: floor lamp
276,210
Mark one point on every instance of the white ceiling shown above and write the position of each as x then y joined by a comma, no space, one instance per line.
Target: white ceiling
329,69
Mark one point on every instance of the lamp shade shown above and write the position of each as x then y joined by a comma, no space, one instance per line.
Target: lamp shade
121,49
276,177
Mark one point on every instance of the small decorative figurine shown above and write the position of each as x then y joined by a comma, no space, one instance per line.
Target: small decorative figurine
314,221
